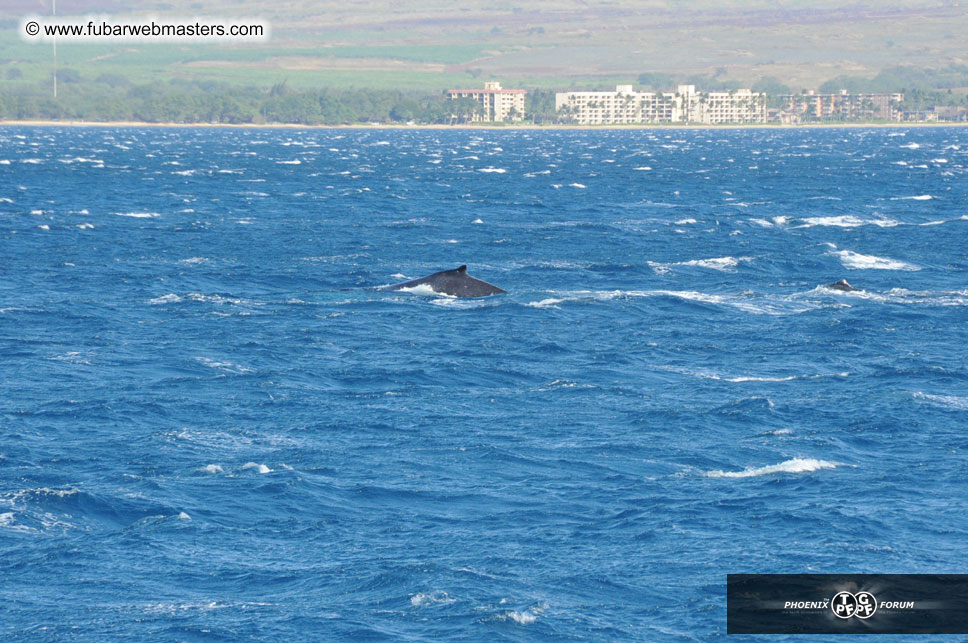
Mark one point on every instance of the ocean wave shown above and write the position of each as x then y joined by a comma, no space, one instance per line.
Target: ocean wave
795,465
138,215
944,401
902,296
425,599
170,298
847,221
526,616
722,264
228,367
738,379
857,261
259,468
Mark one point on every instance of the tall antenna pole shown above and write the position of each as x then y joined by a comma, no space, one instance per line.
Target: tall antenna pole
53,12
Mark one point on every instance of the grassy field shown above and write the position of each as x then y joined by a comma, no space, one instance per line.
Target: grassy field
545,43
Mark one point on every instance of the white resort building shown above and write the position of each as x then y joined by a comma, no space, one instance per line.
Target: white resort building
686,105
497,104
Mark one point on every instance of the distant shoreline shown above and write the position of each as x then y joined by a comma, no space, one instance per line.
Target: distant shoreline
474,126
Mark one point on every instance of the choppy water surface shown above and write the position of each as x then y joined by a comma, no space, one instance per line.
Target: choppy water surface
213,428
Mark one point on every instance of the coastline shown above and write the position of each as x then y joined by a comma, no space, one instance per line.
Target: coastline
473,126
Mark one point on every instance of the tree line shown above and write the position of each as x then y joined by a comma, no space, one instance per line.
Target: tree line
112,98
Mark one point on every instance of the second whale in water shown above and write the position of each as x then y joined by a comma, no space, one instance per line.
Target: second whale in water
456,283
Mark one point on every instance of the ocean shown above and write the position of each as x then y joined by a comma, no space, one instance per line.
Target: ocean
214,425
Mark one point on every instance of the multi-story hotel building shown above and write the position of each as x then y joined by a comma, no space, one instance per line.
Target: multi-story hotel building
497,104
686,105
799,107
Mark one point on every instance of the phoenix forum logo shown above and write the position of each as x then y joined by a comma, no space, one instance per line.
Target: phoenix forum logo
846,605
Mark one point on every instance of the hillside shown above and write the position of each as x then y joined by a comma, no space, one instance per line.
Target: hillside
547,43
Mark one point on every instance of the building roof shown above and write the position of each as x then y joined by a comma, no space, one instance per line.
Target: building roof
488,91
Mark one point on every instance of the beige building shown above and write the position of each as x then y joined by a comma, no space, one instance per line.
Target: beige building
497,104
842,106
686,105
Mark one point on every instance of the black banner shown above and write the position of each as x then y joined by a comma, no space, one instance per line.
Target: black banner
847,604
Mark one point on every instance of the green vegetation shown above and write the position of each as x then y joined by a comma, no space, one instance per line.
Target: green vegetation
432,45
110,98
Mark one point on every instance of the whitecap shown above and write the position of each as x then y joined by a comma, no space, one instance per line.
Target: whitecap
422,289
723,264
170,298
945,401
545,303
423,599
525,617
261,468
212,468
292,162
577,185
920,197
856,261
847,221
795,465
494,170
644,168
477,221
223,366
138,215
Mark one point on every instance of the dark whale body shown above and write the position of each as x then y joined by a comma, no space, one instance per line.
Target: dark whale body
842,285
456,283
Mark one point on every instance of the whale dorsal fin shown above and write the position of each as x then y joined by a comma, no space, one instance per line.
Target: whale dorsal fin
462,269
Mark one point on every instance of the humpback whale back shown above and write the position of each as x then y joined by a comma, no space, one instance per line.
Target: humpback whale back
842,285
456,283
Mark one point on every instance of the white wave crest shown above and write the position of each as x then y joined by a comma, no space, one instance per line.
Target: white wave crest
423,599
545,303
525,617
796,465
944,401
847,221
260,468
920,197
422,289
723,264
170,298
856,261
138,215
492,170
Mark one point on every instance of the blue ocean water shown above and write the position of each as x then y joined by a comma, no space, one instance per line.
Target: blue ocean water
214,427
